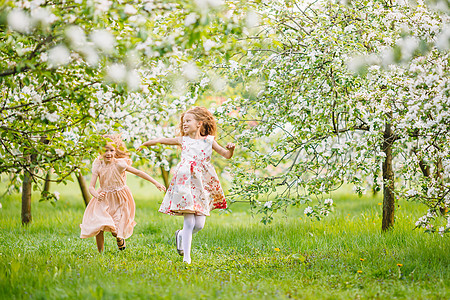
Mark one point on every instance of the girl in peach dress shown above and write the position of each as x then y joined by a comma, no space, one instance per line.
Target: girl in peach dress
112,208
195,189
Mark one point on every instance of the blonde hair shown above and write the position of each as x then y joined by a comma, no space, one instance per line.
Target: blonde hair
200,113
116,141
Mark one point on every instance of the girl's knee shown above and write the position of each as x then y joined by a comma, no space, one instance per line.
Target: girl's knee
199,223
199,227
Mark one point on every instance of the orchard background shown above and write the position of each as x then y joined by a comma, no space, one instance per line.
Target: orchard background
323,99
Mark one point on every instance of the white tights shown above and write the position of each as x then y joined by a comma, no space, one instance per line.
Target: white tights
192,224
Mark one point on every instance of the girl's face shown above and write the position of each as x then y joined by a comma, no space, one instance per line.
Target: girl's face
190,124
109,153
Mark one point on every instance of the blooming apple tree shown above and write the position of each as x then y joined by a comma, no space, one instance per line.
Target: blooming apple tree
74,70
336,93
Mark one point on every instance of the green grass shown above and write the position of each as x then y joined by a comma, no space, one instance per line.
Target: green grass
234,257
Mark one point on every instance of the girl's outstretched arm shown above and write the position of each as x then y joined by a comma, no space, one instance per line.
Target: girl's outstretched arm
227,153
92,184
147,177
165,141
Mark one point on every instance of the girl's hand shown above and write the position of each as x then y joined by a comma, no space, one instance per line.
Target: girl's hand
160,187
230,146
101,196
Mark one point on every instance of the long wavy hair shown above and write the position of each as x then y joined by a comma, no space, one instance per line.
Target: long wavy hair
116,141
200,113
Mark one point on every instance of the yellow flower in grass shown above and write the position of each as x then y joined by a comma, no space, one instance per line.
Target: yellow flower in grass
359,271
362,259
277,249
399,265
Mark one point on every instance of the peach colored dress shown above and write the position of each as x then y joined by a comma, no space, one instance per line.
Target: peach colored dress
195,187
114,213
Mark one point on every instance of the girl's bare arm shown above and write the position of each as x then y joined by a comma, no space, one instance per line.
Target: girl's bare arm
164,141
226,152
147,177
92,190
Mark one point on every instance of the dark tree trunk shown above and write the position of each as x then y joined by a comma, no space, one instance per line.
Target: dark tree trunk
165,176
83,187
388,181
47,182
26,198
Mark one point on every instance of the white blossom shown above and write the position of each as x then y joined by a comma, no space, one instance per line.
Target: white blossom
443,39
133,80
58,56
52,117
204,82
252,19
90,55
308,210
42,16
190,19
19,21
190,71
268,204
208,44
76,36
130,9
103,40
59,152
116,73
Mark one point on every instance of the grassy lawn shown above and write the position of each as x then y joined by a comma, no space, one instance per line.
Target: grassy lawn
345,256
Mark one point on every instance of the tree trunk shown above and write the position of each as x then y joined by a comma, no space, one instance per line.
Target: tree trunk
165,176
47,182
26,198
83,187
388,181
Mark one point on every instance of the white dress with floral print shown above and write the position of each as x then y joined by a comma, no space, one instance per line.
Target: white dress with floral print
195,187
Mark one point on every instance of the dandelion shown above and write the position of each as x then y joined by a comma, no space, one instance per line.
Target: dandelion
399,265
277,249
359,271
362,259
379,203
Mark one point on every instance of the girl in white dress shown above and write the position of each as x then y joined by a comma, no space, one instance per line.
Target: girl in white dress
195,188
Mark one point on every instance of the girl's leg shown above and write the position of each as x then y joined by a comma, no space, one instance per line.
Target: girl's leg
100,241
199,223
186,236
192,224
